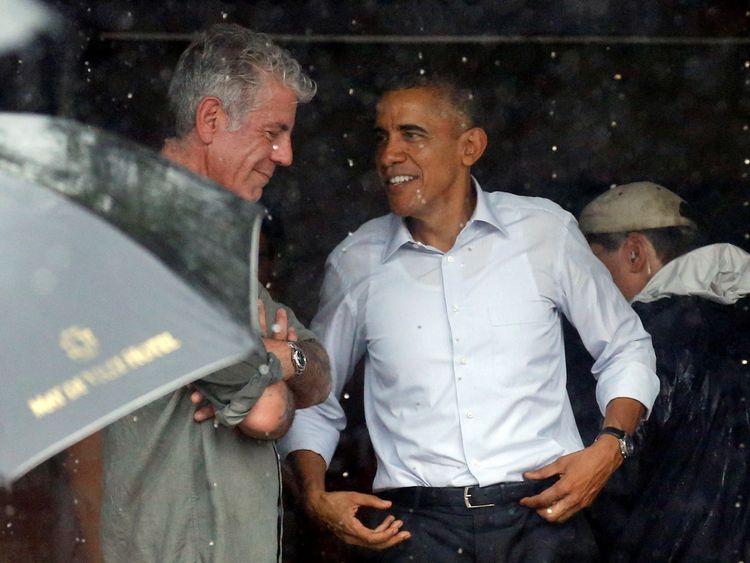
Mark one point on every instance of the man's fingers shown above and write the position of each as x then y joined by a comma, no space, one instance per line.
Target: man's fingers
291,334
554,468
196,397
204,413
262,318
280,325
385,523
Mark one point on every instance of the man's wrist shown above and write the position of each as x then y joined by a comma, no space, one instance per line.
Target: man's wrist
299,359
620,438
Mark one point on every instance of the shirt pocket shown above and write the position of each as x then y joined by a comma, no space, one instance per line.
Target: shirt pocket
521,337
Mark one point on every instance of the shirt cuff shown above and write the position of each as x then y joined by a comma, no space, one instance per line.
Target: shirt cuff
244,399
309,432
634,381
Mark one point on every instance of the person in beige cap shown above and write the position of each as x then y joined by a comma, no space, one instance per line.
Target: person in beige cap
684,497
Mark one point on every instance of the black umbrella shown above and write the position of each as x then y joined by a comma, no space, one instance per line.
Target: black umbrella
122,277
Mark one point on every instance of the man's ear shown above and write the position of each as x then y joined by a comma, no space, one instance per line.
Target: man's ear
209,118
635,248
473,144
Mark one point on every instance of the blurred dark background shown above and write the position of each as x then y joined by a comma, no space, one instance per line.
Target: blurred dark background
578,95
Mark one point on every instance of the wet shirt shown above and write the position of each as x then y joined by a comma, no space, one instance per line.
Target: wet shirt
465,369
179,491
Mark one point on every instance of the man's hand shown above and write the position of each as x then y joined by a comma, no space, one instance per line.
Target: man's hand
313,386
338,511
583,474
276,340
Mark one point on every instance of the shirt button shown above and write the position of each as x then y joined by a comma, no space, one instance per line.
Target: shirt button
464,361
455,308
470,414
450,259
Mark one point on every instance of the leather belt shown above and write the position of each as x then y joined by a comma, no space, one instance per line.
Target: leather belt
466,497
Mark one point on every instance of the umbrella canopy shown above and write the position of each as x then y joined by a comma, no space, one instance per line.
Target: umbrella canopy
123,277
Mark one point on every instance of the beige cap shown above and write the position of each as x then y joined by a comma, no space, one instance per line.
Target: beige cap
634,207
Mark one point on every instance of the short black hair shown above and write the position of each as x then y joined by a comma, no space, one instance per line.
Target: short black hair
460,98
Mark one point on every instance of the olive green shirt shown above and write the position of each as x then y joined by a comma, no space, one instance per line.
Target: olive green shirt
180,491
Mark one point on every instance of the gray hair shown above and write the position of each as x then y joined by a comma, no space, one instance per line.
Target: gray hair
231,62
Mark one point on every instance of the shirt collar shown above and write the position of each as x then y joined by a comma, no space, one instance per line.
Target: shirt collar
399,234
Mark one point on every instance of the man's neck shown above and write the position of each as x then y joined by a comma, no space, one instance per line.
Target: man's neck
441,229
186,153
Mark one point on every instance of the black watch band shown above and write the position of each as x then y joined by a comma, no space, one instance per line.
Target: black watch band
627,449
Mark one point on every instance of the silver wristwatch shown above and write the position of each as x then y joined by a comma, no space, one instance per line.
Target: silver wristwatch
627,448
298,358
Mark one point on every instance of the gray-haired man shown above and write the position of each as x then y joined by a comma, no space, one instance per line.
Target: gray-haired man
179,491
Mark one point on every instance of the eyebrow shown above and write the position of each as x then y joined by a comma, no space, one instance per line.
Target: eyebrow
405,127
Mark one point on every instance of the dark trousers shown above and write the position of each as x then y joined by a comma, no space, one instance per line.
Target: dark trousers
444,529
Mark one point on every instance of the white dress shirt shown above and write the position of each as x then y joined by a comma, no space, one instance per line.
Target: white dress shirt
465,367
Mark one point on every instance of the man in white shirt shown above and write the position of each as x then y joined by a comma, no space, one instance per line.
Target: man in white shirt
455,299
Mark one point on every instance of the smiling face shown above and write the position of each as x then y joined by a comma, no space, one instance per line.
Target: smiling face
243,160
421,153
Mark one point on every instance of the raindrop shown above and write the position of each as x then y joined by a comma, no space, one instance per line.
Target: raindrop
421,71
553,54
346,395
130,95
617,76
747,161
746,203
554,148
613,124
211,543
345,474
135,418
420,57
351,91
747,64
9,525
554,175
224,15
464,59
744,362
350,161
354,22
276,327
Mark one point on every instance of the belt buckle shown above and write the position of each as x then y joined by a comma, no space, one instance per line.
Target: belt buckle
467,502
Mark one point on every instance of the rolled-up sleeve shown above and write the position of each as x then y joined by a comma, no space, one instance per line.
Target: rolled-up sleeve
234,390
318,428
609,328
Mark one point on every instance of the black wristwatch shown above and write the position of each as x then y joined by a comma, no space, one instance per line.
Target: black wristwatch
298,358
627,448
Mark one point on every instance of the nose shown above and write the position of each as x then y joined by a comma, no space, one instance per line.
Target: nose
281,151
391,152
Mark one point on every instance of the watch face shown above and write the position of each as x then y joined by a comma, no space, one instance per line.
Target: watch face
627,448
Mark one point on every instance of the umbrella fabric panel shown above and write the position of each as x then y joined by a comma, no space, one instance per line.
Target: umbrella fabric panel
202,231
93,326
